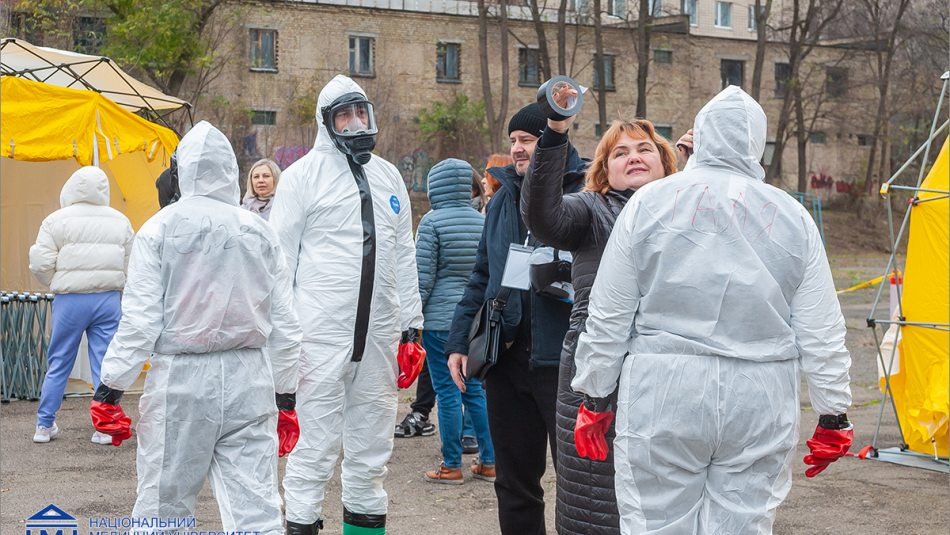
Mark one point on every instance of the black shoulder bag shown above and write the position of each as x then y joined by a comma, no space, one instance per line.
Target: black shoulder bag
484,338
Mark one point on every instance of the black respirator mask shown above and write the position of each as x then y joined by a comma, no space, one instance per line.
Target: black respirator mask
352,126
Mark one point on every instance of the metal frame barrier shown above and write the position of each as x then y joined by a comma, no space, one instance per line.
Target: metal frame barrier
24,339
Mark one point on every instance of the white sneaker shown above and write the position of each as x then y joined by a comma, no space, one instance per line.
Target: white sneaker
45,434
101,438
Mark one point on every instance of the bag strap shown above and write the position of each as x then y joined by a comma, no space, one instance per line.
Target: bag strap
502,298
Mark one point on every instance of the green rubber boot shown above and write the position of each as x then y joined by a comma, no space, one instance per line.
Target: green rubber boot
360,524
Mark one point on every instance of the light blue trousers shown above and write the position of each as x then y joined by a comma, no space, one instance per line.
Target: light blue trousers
95,314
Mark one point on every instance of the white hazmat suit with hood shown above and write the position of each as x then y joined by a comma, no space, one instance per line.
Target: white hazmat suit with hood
207,290
718,287
355,283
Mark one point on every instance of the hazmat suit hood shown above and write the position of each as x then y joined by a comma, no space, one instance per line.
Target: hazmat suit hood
335,88
450,184
729,133
88,184
207,166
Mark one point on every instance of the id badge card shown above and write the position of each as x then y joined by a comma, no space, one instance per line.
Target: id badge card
517,267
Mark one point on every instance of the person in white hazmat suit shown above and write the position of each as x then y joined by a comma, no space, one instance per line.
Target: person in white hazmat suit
208,290
344,221
713,293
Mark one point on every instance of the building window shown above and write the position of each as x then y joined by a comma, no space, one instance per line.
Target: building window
361,55
753,24
447,62
88,34
732,72
656,6
724,14
608,73
264,117
598,130
617,8
529,70
783,73
836,81
663,56
818,138
865,140
688,7
664,130
263,50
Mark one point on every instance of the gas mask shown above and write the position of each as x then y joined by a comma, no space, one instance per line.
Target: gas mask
352,126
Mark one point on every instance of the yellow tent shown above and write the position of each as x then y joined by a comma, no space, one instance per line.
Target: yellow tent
46,133
920,387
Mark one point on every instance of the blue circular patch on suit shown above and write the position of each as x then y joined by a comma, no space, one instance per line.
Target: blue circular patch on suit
394,202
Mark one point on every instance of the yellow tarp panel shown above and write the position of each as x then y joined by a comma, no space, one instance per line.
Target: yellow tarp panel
29,191
921,388
42,122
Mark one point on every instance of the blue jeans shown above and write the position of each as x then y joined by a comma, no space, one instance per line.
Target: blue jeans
450,402
97,315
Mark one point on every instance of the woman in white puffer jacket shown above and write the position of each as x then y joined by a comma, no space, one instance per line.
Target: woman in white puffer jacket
81,253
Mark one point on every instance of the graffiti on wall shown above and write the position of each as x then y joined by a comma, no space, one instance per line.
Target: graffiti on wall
284,156
415,170
822,180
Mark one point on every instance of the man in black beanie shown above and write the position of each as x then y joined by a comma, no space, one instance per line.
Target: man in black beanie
522,387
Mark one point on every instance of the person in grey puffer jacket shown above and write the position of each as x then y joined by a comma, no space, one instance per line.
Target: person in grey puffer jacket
629,155
447,241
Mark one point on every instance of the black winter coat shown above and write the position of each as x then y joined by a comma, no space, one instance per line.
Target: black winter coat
503,227
580,223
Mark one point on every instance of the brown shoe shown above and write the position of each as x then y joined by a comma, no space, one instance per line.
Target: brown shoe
447,476
484,472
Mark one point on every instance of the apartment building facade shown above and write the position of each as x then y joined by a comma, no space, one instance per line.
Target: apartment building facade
409,54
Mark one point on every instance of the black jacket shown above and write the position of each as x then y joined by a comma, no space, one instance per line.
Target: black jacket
503,227
580,223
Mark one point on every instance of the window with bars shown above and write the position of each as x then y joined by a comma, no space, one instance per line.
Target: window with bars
732,72
663,56
529,67
263,49
264,117
664,130
447,61
362,50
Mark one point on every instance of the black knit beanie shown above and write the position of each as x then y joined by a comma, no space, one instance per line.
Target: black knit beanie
528,119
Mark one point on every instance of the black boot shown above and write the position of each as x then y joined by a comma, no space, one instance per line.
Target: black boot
363,524
294,528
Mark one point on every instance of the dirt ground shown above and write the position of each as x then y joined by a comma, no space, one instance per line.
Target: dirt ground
850,497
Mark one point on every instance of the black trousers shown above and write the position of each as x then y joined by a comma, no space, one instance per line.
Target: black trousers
521,416
425,394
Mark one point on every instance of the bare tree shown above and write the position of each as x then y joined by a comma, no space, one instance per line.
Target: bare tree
562,37
762,11
810,18
644,20
599,67
880,14
545,56
496,121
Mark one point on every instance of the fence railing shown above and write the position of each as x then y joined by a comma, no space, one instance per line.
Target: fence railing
24,338
813,204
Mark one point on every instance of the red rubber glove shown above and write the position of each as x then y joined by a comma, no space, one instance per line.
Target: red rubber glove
288,432
111,420
827,446
590,433
411,357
